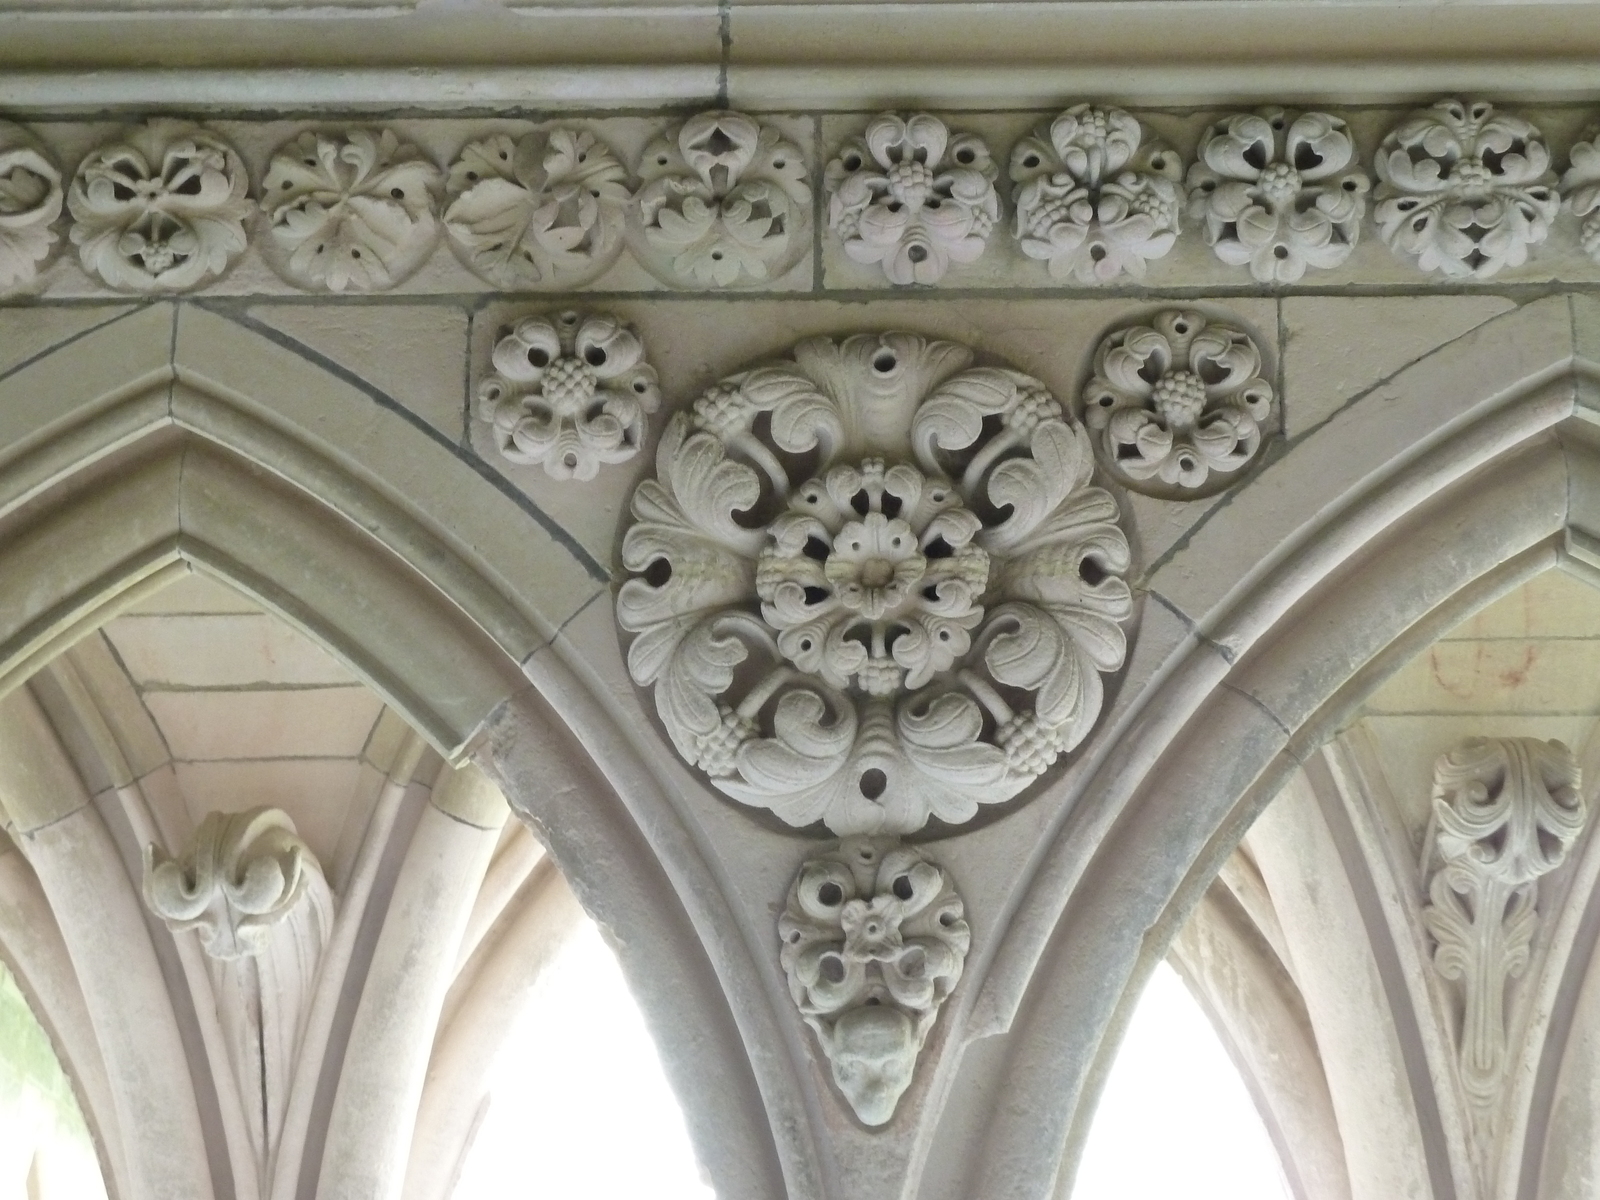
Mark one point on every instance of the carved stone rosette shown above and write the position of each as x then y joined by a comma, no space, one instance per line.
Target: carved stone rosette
350,212
1505,813
874,584
909,196
162,208
874,940
30,201
241,874
724,202
569,392
1279,195
1097,196
1580,185
1465,190
546,210
1178,406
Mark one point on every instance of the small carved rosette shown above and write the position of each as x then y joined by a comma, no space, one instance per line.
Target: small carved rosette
543,211
569,393
1505,813
874,940
913,198
1580,185
160,209
350,212
1278,195
1465,190
30,201
1179,407
874,584
1097,196
241,874
724,202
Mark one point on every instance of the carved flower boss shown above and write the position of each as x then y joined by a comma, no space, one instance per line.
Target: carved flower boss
874,584
1178,406
1465,189
569,393
1097,197
160,209
911,197
1278,195
724,202
30,201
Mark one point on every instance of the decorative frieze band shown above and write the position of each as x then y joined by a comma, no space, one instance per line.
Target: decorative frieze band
1095,194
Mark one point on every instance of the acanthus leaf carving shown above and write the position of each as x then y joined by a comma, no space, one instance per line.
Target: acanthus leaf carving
1505,813
1180,405
162,208
350,212
1465,190
911,624
545,210
1279,195
569,393
30,201
724,201
912,197
1097,195
874,939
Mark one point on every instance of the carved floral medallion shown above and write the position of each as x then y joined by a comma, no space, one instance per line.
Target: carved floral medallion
911,197
1279,195
30,201
162,208
351,212
874,939
542,211
1097,196
1580,185
724,202
569,393
874,585
1465,190
1178,406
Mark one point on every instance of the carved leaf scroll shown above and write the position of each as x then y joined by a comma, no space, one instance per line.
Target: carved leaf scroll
874,939
874,585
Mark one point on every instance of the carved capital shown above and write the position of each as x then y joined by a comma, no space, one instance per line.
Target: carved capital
874,940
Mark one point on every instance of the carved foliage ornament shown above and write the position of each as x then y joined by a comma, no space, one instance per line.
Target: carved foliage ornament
241,874
874,940
1505,813
542,211
569,392
1581,186
351,211
162,208
1465,189
30,201
1178,406
724,201
1279,195
1096,195
910,196
874,584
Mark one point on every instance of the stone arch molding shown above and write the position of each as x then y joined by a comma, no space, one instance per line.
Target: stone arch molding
145,448
1238,675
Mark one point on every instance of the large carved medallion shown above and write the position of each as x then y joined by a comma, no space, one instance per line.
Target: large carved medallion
874,584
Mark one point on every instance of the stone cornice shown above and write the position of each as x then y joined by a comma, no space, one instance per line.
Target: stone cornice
288,57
